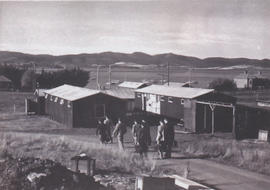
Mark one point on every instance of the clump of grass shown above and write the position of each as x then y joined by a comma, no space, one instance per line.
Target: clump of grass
62,149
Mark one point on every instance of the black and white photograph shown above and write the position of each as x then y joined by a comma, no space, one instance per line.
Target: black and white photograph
135,95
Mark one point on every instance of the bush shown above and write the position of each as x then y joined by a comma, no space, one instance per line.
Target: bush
13,73
221,84
28,81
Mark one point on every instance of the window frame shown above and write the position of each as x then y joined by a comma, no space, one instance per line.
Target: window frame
170,99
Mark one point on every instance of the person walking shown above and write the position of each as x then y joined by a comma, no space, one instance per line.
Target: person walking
160,139
147,128
134,130
168,137
142,137
101,132
119,131
108,126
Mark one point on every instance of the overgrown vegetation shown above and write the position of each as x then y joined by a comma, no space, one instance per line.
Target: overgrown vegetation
222,84
62,149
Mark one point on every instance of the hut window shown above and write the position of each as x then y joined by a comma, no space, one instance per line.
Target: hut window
157,98
182,101
51,98
139,95
61,102
68,104
56,98
162,98
46,96
170,99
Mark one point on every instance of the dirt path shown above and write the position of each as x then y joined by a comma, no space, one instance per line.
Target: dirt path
217,175
220,176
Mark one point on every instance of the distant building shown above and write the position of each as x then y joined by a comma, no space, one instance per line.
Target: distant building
37,105
245,80
202,110
5,83
251,118
132,85
80,107
127,95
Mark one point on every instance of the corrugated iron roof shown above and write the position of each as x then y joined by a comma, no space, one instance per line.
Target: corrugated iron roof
130,84
122,93
179,92
40,92
4,79
71,93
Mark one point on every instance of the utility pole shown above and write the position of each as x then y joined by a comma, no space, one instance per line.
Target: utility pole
168,74
110,76
98,86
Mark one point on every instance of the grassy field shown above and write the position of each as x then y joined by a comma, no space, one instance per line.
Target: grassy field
11,102
41,137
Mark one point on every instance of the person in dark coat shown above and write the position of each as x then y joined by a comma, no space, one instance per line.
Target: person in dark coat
147,128
108,126
119,131
168,137
101,132
142,138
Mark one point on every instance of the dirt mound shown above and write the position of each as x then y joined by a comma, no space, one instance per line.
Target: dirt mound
37,174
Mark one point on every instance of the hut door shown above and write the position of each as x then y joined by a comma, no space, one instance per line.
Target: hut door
143,102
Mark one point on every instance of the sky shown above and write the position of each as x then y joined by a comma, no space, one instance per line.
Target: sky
201,28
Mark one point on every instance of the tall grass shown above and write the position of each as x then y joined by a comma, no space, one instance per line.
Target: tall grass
63,148
249,155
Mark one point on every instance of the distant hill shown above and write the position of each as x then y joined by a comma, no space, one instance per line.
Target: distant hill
106,58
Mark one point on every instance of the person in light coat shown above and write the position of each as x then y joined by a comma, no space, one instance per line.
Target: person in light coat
119,132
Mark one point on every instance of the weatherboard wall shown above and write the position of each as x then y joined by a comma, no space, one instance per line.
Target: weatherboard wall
83,112
171,107
61,113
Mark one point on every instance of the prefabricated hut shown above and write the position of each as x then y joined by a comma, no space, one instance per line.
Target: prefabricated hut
126,95
203,110
80,107
246,79
5,83
132,85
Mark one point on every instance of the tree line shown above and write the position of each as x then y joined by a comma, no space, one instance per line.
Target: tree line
28,79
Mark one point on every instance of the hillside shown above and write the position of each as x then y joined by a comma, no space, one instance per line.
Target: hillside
106,58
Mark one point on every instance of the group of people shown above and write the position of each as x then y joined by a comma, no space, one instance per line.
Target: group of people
141,135
164,139
104,130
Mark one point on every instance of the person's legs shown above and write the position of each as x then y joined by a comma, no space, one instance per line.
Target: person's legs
120,143
160,153
168,150
110,135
